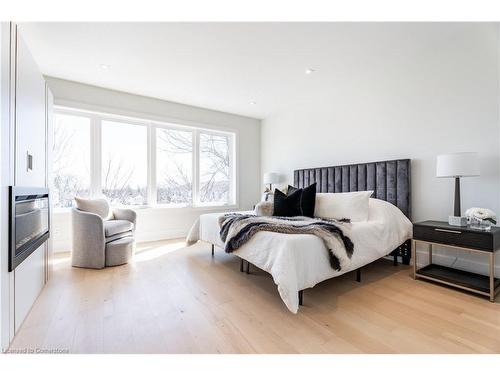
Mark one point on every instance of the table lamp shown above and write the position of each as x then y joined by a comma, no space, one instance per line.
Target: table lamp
271,178
460,164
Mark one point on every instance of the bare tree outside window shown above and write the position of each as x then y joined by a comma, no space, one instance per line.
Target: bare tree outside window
174,166
215,168
71,159
124,163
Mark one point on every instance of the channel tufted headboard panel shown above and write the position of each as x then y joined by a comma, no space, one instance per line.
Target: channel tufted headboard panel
389,180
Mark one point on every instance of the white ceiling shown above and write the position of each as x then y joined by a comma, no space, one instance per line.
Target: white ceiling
225,66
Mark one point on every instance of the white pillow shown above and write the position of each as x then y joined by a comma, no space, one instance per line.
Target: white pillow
96,206
353,205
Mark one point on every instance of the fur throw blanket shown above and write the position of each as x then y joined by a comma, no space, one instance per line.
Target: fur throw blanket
238,229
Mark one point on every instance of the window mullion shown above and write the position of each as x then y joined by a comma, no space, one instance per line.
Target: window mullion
196,167
232,177
95,156
152,179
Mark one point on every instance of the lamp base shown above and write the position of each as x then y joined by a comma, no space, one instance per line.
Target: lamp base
457,211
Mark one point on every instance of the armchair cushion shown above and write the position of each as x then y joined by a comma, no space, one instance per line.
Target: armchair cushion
112,227
96,206
125,214
119,236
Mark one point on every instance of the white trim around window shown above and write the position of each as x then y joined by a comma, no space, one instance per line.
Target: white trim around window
96,119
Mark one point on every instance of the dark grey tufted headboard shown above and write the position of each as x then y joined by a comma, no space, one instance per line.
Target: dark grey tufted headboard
389,180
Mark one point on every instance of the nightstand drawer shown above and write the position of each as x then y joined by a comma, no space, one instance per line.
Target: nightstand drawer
455,237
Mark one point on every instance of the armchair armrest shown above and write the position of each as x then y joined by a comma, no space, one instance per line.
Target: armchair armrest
125,214
88,239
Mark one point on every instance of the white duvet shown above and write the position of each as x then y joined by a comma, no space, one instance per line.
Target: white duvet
300,261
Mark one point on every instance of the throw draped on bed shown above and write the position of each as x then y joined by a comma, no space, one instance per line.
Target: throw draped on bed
238,229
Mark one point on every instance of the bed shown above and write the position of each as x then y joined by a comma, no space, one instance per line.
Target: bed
299,261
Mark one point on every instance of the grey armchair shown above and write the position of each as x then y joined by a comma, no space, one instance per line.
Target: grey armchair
99,243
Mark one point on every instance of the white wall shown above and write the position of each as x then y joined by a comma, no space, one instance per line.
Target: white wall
404,105
162,223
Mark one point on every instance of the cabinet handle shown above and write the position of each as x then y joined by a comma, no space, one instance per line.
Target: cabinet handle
29,161
447,231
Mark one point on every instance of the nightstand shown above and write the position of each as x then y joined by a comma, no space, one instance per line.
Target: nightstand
440,233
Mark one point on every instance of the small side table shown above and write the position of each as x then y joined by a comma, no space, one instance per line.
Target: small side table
463,238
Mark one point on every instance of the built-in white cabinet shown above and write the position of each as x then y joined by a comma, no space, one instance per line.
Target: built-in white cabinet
30,279
30,120
25,145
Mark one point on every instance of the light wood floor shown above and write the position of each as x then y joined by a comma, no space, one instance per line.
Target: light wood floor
174,299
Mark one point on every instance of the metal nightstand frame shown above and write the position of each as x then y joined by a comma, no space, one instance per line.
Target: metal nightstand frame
492,293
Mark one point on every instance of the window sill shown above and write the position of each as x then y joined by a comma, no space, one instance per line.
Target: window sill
164,207
181,208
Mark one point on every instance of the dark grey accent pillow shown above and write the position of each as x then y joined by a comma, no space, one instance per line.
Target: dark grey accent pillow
307,199
287,205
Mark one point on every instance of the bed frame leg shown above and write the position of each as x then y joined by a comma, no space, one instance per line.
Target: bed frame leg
301,297
406,260
248,267
358,275
241,264
395,262
213,250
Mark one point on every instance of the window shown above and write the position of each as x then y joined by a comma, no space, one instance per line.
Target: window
136,162
215,169
124,163
71,158
174,166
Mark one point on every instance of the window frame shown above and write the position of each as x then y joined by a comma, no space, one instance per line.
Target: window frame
232,147
99,188
96,119
90,139
194,170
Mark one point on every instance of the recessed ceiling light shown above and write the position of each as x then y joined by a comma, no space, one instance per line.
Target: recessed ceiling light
253,103
104,66
310,70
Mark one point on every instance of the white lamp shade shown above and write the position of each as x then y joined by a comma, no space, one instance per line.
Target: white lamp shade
460,164
271,178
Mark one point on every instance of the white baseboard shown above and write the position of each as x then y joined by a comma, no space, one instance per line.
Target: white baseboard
161,235
64,245
61,246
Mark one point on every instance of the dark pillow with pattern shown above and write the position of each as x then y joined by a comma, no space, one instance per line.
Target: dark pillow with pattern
287,205
307,199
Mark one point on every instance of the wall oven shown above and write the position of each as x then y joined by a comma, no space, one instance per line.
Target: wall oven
29,222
